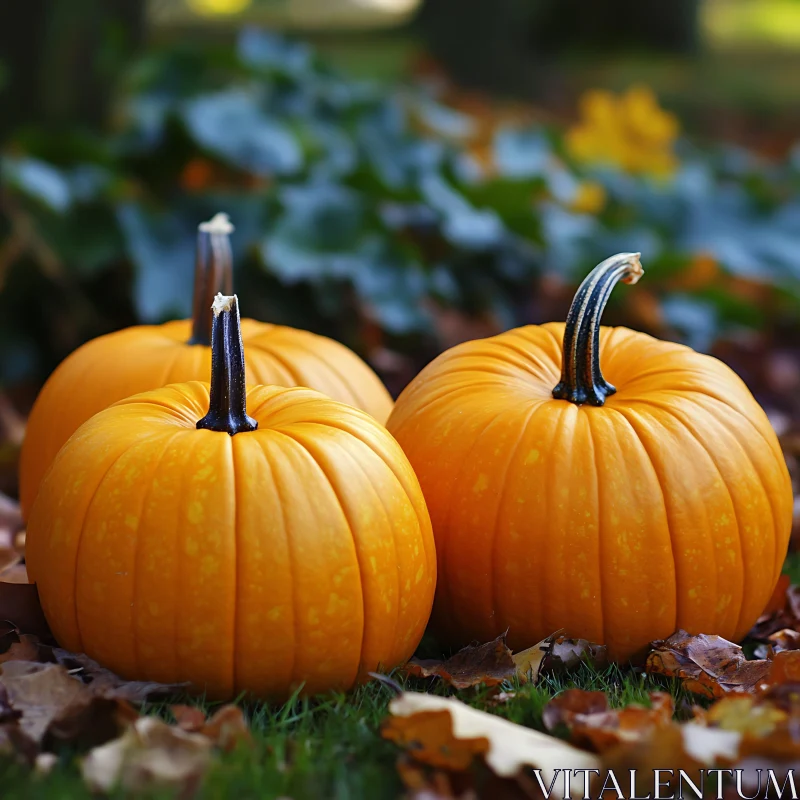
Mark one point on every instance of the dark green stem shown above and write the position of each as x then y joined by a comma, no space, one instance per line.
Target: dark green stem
213,272
581,379
227,408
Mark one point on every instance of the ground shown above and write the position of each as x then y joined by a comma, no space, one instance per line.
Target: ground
330,747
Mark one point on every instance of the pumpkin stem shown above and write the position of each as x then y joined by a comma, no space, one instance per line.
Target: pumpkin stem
581,379
213,272
227,408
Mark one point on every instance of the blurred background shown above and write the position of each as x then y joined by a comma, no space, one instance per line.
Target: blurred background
403,174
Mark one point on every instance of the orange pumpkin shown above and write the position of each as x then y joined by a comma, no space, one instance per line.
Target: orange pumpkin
241,553
144,357
618,514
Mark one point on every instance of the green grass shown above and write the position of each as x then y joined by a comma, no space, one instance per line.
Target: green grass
330,746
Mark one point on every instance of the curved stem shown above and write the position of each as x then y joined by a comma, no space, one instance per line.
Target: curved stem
213,272
227,408
581,378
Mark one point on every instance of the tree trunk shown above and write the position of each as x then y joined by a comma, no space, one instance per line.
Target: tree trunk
62,57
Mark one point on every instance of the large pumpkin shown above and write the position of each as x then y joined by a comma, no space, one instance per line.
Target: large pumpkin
560,502
144,357
241,553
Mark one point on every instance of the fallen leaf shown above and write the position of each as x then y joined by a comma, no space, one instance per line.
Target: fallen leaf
26,649
745,714
708,665
500,698
489,664
784,668
529,662
15,744
51,703
595,726
105,683
446,733
426,783
7,713
42,693
19,605
45,762
226,728
566,654
686,748
782,612
784,639
189,718
150,755
781,685
15,573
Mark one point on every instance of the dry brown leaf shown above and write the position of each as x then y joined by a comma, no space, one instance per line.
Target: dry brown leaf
226,728
566,654
489,664
53,704
188,718
150,754
105,683
689,748
26,649
782,612
784,639
707,665
426,783
446,733
42,693
595,726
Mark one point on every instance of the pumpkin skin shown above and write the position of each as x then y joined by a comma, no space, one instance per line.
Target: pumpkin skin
301,551
151,356
668,507
137,359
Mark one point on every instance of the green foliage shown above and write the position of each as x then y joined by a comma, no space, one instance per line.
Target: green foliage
359,212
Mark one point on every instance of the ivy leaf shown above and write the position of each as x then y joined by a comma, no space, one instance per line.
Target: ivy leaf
231,124
38,180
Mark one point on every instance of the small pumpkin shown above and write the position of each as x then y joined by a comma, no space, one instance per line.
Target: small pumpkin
144,357
618,514
280,538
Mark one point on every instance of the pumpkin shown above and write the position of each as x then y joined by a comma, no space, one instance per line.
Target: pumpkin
144,357
280,538
617,509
